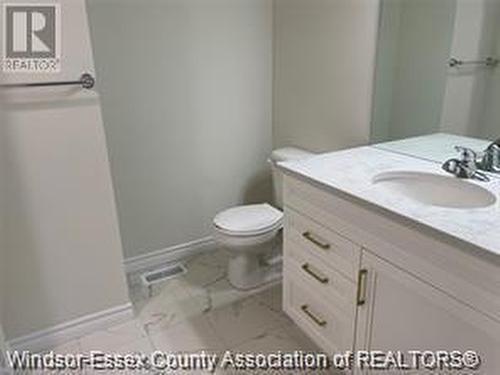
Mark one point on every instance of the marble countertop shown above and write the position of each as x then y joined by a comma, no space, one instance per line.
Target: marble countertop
352,171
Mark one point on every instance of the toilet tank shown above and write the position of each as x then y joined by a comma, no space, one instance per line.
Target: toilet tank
284,154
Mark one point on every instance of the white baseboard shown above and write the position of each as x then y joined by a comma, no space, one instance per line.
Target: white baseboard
62,333
168,255
51,337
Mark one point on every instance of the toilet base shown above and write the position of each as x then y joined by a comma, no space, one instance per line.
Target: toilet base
249,270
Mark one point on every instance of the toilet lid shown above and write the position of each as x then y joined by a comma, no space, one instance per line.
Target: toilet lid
250,218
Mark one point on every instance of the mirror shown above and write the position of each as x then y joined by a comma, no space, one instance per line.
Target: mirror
437,69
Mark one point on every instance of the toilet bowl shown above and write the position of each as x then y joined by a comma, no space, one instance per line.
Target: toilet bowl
252,233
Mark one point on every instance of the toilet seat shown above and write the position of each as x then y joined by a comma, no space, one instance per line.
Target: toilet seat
248,220
252,234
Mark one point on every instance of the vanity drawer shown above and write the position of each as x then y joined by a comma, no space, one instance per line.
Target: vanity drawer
330,247
331,328
321,277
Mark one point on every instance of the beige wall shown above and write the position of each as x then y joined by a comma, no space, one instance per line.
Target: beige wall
2,236
324,65
490,128
413,47
474,38
186,87
188,119
63,258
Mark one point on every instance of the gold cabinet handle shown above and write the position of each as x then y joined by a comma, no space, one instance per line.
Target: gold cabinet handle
310,237
320,322
361,296
322,279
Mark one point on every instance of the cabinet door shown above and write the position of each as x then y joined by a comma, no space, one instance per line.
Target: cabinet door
403,313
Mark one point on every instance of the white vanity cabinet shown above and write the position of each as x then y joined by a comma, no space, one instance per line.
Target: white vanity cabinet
402,312
356,278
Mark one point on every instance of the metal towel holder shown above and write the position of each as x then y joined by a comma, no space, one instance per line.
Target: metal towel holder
489,62
86,81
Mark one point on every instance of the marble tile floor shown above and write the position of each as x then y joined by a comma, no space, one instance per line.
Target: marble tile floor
199,311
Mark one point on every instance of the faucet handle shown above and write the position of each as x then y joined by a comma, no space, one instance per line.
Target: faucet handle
466,154
491,158
493,147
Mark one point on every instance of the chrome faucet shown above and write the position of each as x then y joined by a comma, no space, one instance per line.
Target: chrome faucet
466,166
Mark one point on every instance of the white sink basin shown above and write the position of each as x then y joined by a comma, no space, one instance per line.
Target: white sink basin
434,189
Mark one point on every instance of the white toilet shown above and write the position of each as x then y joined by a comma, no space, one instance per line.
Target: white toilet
251,233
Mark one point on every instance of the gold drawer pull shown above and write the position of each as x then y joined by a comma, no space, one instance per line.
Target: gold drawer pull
361,295
322,279
321,244
320,322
